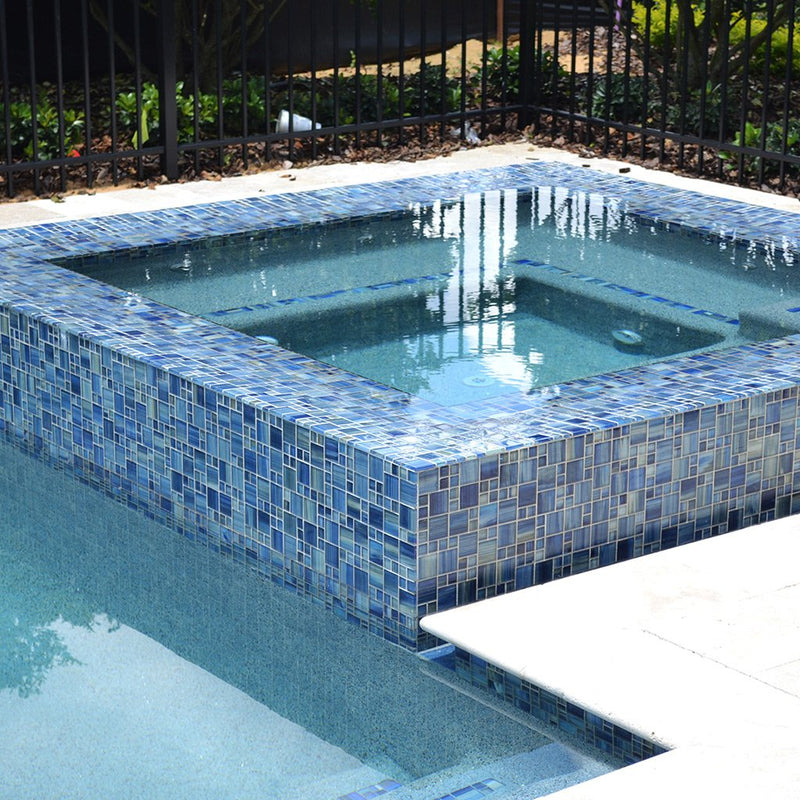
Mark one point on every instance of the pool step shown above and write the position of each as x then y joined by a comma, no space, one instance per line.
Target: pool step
370,792
536,773
475,791
771,321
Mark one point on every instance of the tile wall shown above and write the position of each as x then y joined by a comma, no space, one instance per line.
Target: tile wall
587,727
512,519
381,506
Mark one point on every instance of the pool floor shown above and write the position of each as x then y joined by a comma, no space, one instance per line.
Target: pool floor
136,664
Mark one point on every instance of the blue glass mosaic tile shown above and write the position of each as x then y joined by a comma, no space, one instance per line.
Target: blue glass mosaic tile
474,791
377,504
588,727
371,792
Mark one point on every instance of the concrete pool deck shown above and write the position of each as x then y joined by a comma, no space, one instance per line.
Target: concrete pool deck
702,659
120,201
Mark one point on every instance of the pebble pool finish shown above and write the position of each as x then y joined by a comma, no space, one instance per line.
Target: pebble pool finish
379,505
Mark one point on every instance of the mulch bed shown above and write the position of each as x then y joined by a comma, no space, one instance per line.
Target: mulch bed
408,145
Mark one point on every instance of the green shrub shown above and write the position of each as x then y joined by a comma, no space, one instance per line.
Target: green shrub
658,22
779,47
232,104
697,108
207,113
620,97
148,121
423,90
127,113
773,141
359,97
49,129
501,73
738,32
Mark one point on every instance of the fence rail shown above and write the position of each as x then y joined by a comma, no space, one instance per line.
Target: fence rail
95,91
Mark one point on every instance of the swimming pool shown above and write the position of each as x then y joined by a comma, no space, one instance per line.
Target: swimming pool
379,505
135,664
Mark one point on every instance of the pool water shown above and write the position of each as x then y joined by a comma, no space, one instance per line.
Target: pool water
497,293
135,663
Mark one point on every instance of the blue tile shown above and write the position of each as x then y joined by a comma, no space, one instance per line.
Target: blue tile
240,444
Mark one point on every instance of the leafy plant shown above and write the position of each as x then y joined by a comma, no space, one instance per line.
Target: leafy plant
145,125
49,129
423,89
127,110
774,137
501,73
658,21
778,46
619,97
256,90
707,40
344,99
204,113
702,109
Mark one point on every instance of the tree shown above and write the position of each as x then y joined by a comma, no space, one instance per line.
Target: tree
702,43
207,30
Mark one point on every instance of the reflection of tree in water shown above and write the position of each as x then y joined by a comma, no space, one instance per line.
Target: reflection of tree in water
409,362
30,652
30,646
492,300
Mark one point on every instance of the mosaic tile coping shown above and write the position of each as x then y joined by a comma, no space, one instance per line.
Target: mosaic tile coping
417,433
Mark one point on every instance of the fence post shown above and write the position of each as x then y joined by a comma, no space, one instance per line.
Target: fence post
167,77
526,62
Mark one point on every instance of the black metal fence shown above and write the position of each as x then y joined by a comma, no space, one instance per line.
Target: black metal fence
96,91
711,88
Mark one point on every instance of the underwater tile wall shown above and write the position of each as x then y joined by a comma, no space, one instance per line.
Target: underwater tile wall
379,505
592,729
